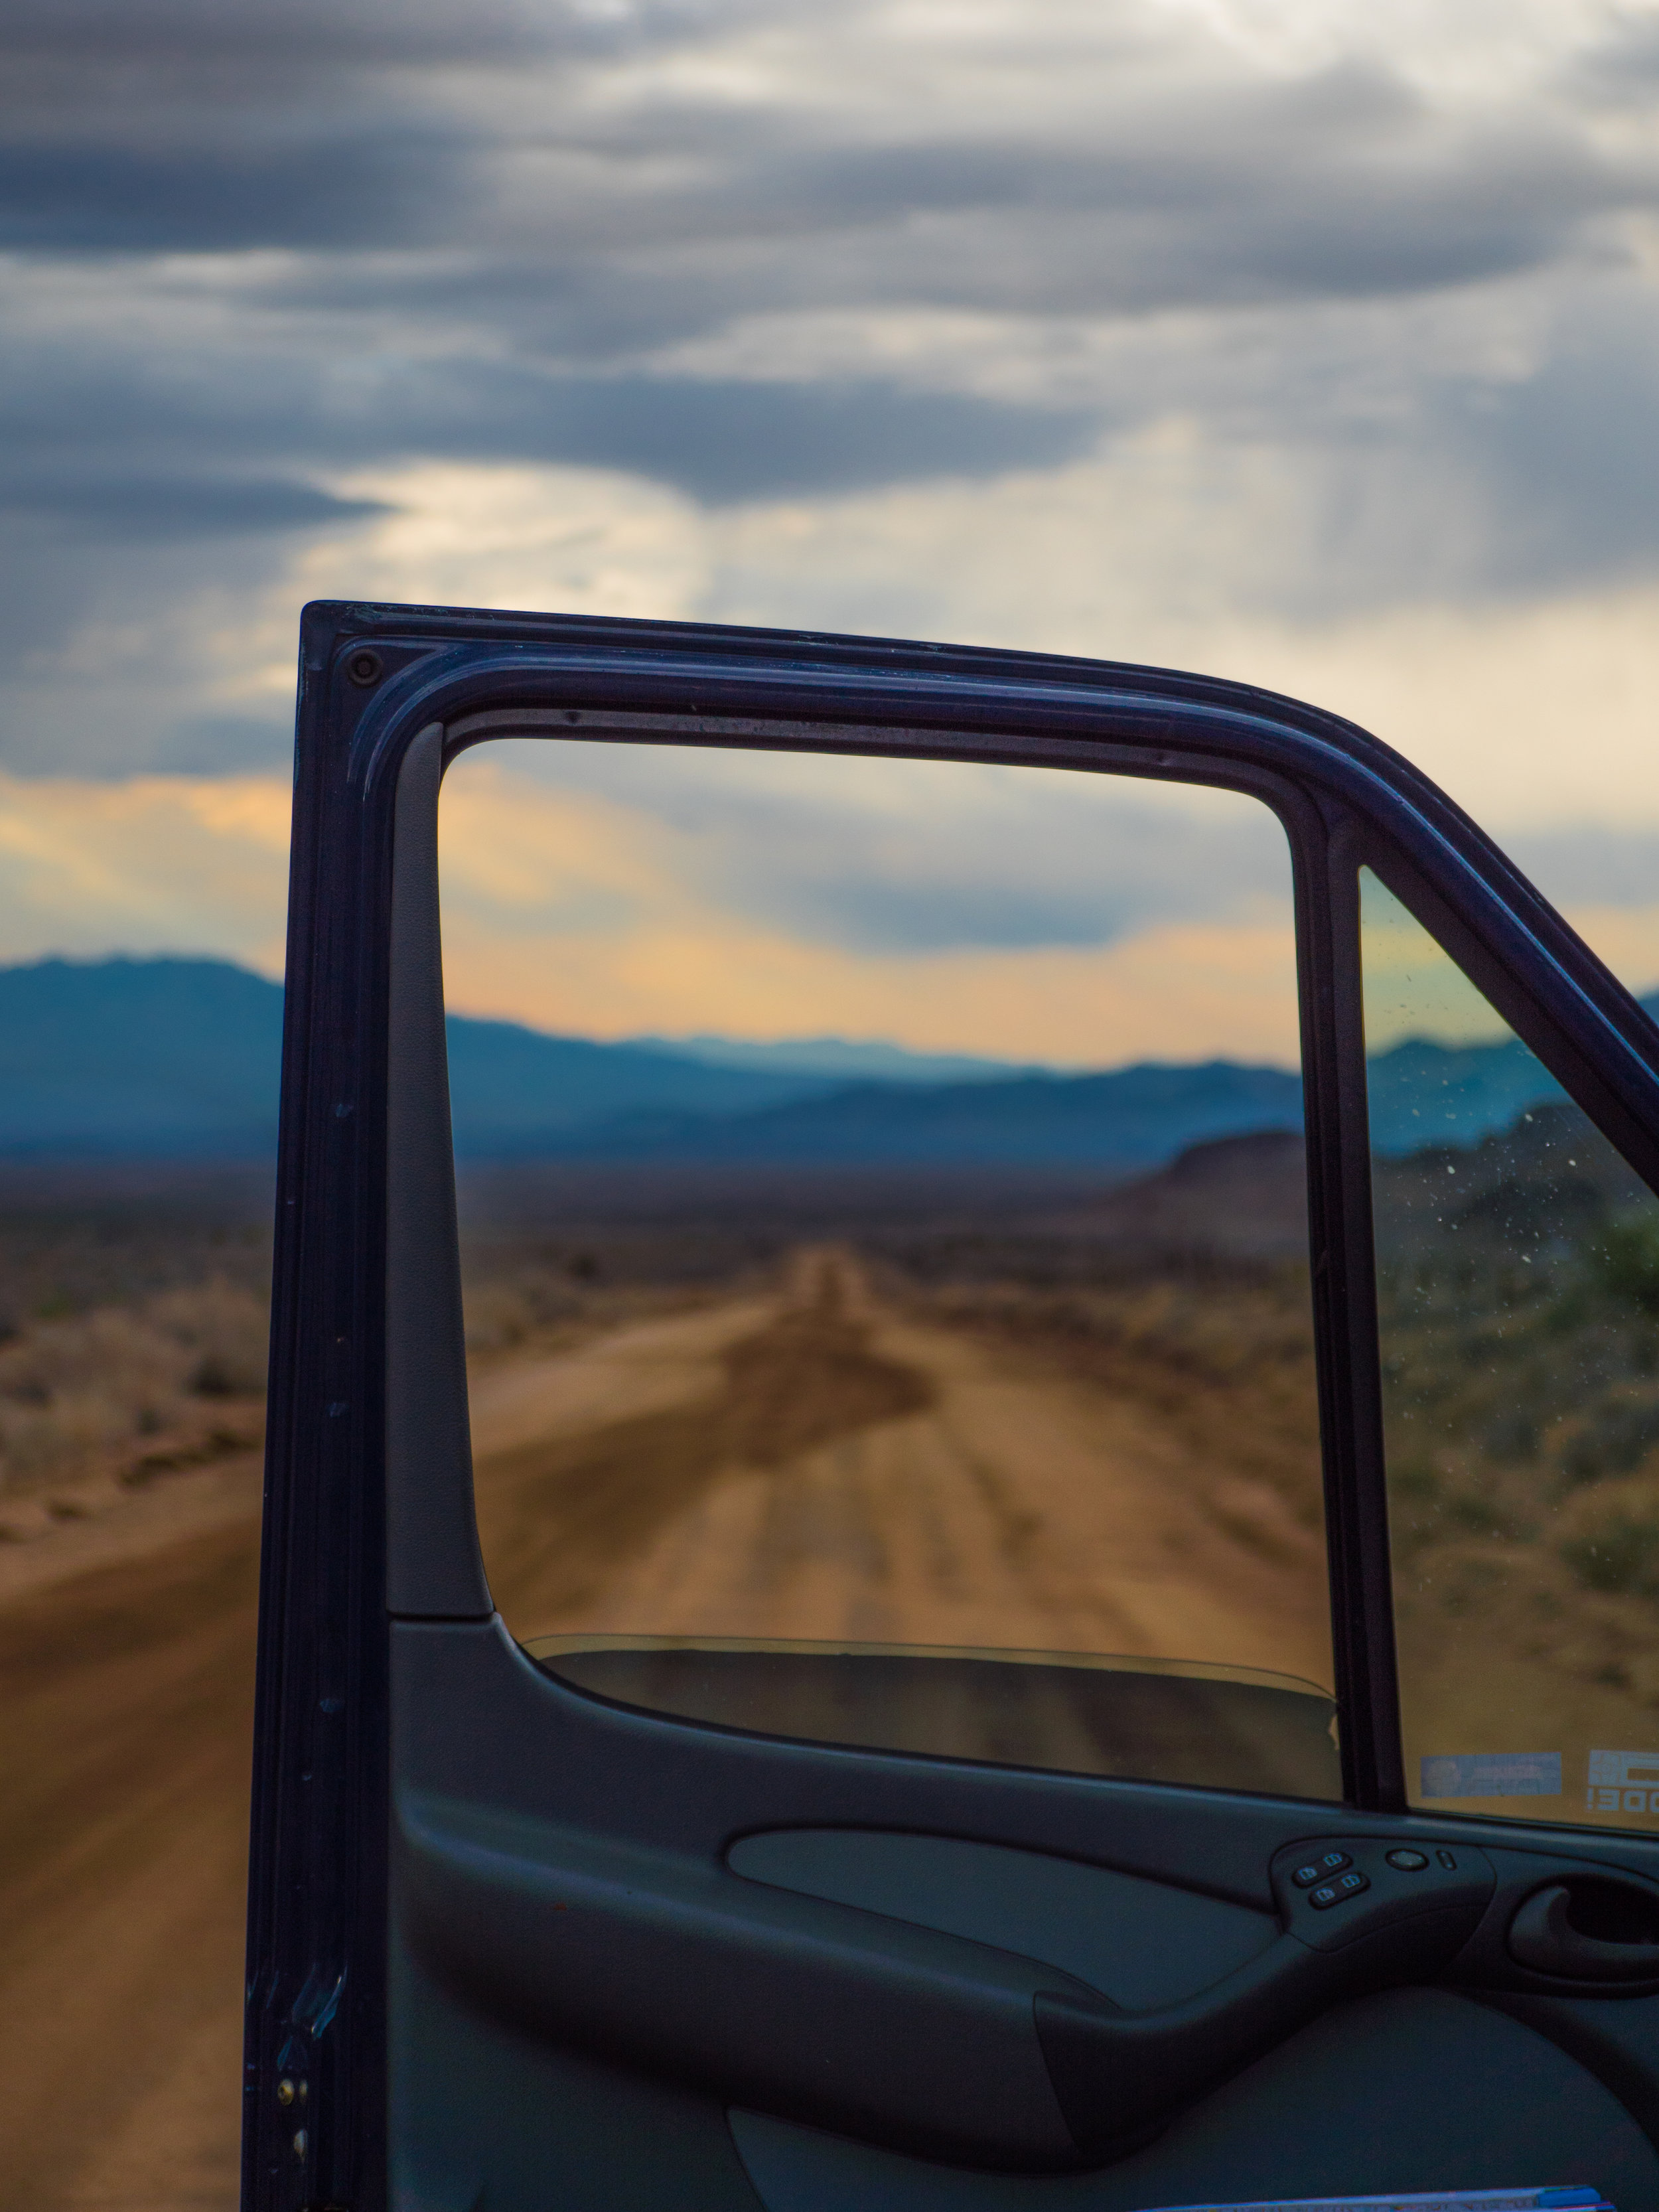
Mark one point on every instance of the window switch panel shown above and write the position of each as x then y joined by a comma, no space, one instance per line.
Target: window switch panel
1331,1892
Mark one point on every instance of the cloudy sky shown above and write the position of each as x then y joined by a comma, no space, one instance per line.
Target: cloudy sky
1314,341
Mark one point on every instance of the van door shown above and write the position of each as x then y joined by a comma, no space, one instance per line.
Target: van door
919,1730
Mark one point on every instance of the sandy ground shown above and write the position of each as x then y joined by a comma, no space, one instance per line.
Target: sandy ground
125,1710
805,1466
839,1472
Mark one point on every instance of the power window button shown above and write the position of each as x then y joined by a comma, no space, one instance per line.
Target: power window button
1322,1868
1338,1892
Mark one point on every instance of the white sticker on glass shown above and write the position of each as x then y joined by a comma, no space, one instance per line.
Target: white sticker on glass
1623,1781
1492,1774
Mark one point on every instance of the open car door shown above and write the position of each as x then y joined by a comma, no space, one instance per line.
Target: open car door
629,1918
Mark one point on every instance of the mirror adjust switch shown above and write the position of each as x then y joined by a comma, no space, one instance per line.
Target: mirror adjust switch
1338,1892
1322,1868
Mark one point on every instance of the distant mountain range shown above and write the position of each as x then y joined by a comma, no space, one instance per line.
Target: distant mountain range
1129,1118
844,1059
180,1058
146,1057
1423,1093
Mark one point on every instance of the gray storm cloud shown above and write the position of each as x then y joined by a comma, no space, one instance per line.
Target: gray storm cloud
252,250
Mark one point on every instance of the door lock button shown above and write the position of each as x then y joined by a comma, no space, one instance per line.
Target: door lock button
1408,1862
1322,1868
1338,1892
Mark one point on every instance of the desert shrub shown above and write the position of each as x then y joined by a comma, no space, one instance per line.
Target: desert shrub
1608,1536
1614,1437
498,1317
1513,1435
222,1330
1626,1258
1621,1554
1483,1512
76,1393
506,1307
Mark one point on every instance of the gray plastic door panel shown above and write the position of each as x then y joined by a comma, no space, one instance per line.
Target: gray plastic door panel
638,1959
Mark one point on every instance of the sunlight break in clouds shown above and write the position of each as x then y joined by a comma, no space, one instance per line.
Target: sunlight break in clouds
158,864
569,910
574,913
582,540
1475,49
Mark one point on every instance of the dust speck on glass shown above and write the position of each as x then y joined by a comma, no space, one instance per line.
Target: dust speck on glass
883,1199
1517,1258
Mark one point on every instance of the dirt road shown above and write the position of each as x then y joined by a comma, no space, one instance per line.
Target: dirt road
809,1465
126,1711
833,1470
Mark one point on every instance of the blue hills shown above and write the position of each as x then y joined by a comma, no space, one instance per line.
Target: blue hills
179,1059
1129,1118
1422,1093
183,1057
138,1057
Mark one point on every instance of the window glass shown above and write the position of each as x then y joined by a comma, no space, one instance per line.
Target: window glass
1518,1287
885,1240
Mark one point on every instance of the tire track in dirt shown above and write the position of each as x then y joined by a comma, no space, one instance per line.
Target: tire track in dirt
558,1520
850,1474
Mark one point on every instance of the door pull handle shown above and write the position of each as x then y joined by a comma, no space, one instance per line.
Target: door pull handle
1575,1932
